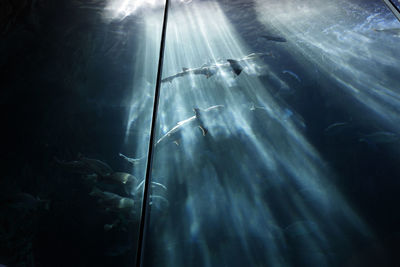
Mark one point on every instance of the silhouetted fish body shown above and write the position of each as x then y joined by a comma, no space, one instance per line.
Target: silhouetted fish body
208,70
274,38
195,121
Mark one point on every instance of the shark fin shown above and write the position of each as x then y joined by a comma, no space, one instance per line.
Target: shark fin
185,69
196,112
203,130
235,65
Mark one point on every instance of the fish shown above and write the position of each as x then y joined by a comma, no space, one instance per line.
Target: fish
174,133
274,38
97,166
133,161
25,202
391,31
75,166
122,178
253,56
291,73
121,181
155,198
208,70
153,184
108,226
380,138
111,201
86,166
197,120
336,128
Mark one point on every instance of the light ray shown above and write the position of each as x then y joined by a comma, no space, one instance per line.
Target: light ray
255,164
341,39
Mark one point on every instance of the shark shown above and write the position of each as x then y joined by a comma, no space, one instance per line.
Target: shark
208,70
197,120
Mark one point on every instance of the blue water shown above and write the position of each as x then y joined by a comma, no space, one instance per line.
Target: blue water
276,141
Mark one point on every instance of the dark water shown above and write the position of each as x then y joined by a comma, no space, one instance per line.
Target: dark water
291,161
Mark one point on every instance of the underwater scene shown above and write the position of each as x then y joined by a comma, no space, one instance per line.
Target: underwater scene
200,133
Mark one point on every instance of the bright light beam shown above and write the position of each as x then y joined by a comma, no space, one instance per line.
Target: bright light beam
348,42
247,154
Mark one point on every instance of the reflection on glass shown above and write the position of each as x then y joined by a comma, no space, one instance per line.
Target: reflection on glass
77,89
268,113
394,6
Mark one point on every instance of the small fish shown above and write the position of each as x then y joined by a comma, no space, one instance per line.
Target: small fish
86,166
336,128
107,227
274,38
391,31
380,138
153,184
97,166
123,178
25,202
111,201
75,166
291,73
133,161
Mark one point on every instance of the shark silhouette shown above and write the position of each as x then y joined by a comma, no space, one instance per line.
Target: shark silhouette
174,134
208,70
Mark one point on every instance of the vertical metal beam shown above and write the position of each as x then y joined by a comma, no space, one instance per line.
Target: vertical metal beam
393,8
145,202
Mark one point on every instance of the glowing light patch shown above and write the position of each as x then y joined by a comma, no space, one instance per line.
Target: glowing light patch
354,45
120,9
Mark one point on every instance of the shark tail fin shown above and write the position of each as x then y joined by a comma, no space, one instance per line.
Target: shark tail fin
235,65
204,130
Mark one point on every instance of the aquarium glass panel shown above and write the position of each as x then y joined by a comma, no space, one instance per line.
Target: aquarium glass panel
396,3
78,81
277,137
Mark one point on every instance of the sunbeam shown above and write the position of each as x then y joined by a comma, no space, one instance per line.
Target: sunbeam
253,181
343,39
143,84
